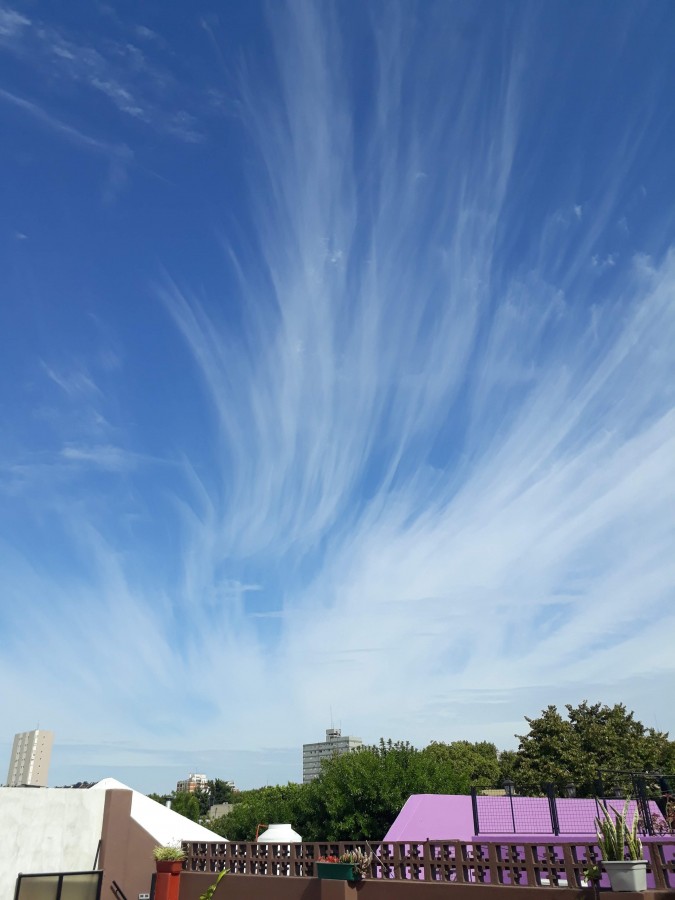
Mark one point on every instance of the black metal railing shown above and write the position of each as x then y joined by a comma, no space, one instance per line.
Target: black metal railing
653,792
560,812
117,891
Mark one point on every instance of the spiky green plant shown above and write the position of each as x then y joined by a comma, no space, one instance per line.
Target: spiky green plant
616,835
171,852
361,861
211,889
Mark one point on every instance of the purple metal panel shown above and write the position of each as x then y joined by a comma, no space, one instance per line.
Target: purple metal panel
435,817
439,817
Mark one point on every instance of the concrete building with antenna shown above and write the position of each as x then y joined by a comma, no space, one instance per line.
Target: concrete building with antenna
334,745
194,782
29,762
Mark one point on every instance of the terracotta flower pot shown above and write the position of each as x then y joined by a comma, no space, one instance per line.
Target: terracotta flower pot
169,866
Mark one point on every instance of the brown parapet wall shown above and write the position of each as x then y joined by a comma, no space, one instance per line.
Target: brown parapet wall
396,890
406,890
262,887
126,848
254,887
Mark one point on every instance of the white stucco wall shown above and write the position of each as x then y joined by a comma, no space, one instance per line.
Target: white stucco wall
165,825
47,830
58,829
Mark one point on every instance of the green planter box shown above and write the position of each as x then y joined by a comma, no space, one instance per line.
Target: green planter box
336,871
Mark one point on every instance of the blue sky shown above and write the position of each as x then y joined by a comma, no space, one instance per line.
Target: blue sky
337,375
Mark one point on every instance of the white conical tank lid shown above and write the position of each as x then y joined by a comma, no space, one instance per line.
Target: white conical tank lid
279,834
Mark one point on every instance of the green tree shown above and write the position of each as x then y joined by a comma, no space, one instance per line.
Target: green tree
220,791
219,825
204,801
186,804
507,766
549,753
263,806
461,765
358,795
591,738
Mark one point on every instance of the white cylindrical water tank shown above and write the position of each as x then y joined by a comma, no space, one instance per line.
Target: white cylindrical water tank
279,834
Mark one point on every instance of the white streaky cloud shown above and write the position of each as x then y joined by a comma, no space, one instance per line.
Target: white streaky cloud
120,156
129,632
12,22
118,70
120,96
485,464
74,135
147,34
75,383
435,486
105,456
331,351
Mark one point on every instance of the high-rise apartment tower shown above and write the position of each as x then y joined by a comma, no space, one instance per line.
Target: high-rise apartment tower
29,763
334,745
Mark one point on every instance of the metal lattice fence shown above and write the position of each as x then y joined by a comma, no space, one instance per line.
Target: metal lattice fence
651,795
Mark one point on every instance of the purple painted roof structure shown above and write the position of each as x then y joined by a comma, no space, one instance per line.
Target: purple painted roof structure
440,817
434,817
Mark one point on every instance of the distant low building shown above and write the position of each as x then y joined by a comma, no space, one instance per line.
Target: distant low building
31,755
192,783
334,745
220,809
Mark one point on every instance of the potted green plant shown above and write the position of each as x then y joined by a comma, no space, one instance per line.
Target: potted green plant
621,850
169,858
361,862
351,866
331,867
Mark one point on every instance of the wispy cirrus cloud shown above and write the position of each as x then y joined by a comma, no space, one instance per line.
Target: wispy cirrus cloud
104,456
469,457
75,382
119,156
119,70
12,23
434,486
74,135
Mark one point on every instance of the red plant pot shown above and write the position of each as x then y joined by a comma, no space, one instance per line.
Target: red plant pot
169,866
